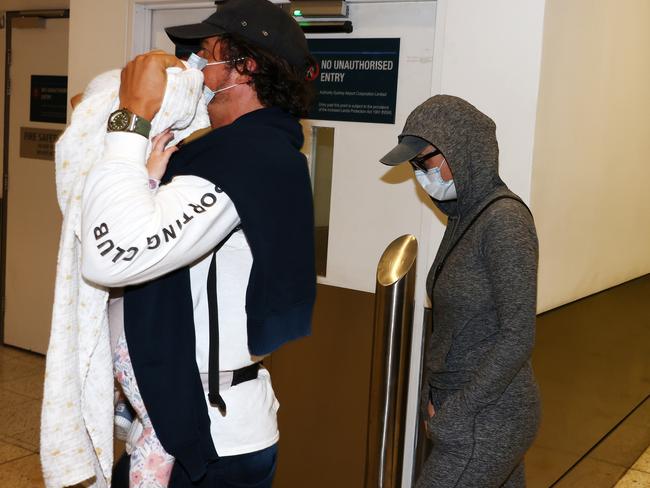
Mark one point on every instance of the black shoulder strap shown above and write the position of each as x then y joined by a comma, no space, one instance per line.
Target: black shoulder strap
213,313
494,200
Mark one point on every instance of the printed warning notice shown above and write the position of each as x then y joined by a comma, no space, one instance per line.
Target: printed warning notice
37,143
355,79
48,101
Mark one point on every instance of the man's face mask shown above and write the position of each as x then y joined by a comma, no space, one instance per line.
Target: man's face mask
196,61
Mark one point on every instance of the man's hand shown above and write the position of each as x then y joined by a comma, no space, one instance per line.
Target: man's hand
143,82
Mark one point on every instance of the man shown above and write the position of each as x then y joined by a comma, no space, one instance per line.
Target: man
198,326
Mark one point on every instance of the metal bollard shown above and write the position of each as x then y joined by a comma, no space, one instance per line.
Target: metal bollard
390,363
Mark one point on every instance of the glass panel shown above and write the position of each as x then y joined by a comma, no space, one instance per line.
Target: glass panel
322,157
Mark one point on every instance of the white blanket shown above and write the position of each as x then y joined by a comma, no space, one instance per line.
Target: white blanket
77,415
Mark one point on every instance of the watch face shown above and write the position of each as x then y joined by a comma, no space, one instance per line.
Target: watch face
119,120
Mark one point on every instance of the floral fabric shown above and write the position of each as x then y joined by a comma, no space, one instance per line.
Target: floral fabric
151,465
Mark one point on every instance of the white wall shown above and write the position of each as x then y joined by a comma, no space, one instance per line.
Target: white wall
591,173
489,53
99,36
11,5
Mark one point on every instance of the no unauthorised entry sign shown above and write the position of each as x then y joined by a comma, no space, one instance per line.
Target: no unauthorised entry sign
356,79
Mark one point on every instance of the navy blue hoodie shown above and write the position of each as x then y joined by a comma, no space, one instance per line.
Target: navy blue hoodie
257,162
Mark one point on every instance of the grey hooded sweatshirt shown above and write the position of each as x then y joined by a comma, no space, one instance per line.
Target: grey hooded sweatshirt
483,280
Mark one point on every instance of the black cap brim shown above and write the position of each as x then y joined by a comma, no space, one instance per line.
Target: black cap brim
408,148
192,33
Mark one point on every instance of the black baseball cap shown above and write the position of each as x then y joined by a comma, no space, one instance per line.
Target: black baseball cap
408,148
258,21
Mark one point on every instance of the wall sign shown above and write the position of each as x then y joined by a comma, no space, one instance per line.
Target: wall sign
49,98
356,79
38,143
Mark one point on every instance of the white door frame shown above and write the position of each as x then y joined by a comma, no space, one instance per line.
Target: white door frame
142,13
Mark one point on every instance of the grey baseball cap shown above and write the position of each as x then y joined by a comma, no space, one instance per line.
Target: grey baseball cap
408,148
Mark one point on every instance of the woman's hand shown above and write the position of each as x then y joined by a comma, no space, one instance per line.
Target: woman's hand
159,157
431,412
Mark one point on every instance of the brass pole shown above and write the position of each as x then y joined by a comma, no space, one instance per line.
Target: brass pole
390,363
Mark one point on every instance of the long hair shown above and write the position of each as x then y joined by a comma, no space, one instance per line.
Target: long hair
276,82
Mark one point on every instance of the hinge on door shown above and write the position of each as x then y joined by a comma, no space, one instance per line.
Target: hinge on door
8,87
2,20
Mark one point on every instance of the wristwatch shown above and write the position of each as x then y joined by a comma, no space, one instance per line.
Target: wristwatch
123,120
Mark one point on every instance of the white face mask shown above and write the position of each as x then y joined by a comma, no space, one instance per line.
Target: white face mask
199,63
208,94
196,61
435,186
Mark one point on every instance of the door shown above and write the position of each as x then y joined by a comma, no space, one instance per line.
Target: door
38,73
322,382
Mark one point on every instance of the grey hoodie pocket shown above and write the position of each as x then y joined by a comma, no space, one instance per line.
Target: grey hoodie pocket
453,423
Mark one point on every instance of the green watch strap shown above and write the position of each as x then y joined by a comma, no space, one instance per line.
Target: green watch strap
123,120
142,126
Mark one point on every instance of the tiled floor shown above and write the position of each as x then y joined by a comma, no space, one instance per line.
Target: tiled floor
21,383
21,390
591,378
21,393
639,475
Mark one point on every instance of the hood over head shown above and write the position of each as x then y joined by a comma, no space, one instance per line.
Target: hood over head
467,139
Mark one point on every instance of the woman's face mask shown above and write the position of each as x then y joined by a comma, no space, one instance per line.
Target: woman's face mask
432,182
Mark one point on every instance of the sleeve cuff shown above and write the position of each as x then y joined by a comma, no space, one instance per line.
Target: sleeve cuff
125,146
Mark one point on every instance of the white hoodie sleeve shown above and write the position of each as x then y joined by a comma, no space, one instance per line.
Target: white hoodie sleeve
131,234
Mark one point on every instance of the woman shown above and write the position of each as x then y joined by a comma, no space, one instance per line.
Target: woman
480,399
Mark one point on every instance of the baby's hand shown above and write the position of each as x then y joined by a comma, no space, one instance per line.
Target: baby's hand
159,157
74,101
